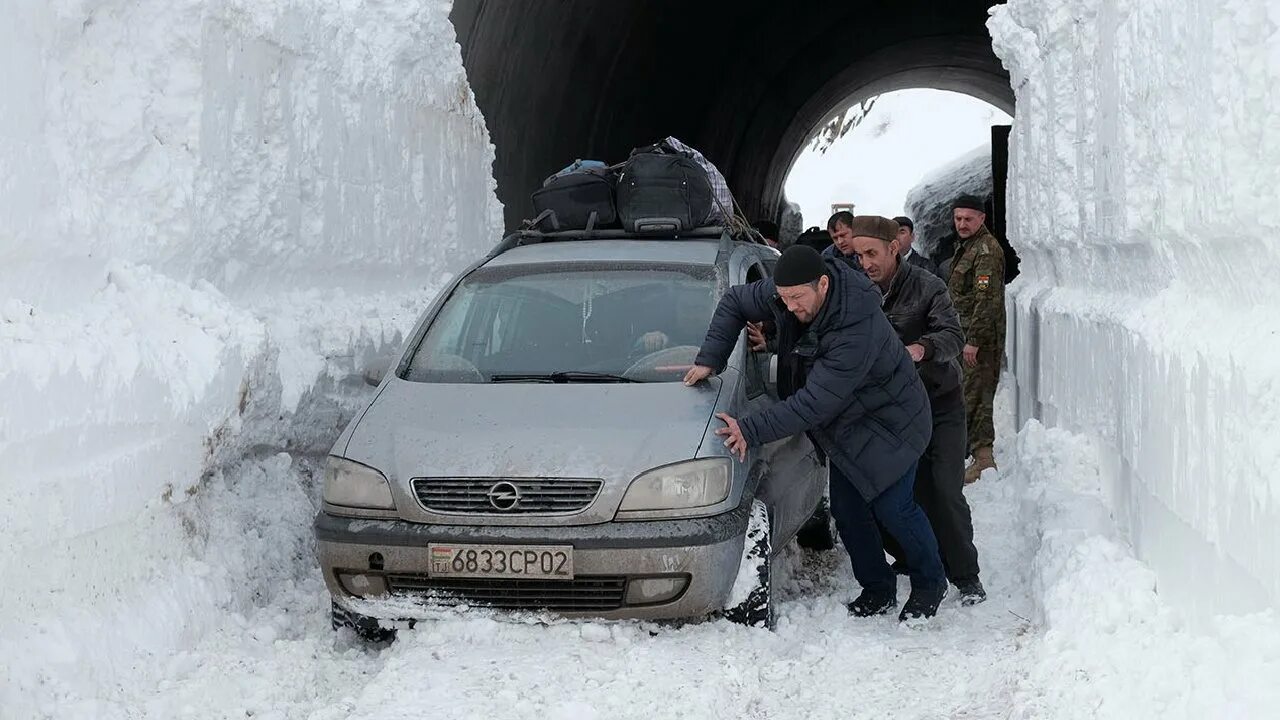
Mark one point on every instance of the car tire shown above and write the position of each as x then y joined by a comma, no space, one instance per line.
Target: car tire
366,628
759,608
816,533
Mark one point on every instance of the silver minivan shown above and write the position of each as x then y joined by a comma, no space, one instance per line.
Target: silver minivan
533,447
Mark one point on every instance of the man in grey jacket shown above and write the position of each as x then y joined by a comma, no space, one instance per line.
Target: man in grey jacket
917,304
852,387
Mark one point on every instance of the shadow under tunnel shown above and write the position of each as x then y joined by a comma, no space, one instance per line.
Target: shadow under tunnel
747,82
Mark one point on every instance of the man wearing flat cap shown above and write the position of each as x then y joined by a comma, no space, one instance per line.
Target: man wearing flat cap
976,283
920,310
854,390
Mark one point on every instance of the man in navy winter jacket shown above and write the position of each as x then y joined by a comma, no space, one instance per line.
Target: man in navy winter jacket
857,394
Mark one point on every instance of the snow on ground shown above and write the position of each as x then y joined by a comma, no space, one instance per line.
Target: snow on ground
1112,646
279,659
1073,628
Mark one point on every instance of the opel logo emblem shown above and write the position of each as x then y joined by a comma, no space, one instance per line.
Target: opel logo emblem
504,496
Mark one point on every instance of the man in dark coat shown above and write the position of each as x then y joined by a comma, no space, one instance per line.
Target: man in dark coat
920,310
906,237
839,226
858,396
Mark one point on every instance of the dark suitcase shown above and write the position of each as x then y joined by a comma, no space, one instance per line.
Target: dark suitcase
576,201
663,191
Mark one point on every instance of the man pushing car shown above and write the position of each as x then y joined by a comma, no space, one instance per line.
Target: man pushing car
847,380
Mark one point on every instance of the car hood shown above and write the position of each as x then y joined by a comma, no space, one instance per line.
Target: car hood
608,431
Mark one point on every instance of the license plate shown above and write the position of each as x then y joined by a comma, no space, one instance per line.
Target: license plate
537,562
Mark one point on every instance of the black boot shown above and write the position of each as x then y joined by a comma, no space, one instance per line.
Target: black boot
922,604
872,603
971,591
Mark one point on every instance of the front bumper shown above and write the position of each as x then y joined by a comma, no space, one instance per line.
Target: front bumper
704,551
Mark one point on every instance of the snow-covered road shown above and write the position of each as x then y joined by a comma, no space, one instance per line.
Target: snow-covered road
1072,628
281,659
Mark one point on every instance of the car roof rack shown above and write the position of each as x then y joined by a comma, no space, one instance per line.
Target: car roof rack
534,237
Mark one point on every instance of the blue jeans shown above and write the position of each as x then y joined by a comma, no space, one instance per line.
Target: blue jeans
898,513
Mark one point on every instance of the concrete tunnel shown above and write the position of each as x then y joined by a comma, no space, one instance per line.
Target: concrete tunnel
745,81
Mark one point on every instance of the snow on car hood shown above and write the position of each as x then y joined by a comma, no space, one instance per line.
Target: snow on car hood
531,429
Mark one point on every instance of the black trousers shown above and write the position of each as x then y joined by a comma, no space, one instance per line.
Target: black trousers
940,489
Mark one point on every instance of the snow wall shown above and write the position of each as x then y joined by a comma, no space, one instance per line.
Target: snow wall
929,203
1144,162
213,214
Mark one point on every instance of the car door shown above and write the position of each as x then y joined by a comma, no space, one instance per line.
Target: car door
796,479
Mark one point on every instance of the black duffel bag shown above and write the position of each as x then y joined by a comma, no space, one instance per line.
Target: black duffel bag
576,200
663,191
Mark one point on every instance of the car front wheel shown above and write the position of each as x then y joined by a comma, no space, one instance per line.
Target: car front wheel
366,628
752,602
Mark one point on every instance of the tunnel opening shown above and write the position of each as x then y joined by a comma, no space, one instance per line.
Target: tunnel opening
745,82
891,145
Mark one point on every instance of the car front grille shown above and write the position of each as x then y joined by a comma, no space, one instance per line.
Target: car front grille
500,496
582,594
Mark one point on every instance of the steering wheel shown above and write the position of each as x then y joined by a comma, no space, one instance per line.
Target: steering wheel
671,360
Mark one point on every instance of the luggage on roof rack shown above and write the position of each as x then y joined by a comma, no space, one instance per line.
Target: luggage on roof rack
722,207
581,196
665,187
661,190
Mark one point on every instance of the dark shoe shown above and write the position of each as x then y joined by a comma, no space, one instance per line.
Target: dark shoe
872,603
922,604
971,591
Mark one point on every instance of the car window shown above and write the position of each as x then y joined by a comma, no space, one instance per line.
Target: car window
642,321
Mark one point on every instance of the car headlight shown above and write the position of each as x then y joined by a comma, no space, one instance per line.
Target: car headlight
351,484
692,484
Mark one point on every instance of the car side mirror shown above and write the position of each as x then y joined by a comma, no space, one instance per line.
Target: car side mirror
376,370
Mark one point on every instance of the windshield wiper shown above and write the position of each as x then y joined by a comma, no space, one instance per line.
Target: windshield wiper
564,376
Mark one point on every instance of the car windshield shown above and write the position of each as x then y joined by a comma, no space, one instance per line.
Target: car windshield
569,322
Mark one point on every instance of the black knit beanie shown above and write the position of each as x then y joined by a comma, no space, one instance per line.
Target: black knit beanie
799,265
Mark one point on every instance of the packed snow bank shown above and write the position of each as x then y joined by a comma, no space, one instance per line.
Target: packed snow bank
929,203
1145,317
1112,648
212,214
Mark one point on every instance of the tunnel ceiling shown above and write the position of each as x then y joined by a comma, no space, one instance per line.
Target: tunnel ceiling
745,81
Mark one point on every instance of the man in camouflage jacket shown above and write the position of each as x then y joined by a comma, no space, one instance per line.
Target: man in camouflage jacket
976,284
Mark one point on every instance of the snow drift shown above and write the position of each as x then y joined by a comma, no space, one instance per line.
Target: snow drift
929,203
212,214
1143,164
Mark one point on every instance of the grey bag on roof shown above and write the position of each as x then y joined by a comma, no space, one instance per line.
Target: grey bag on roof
722,208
